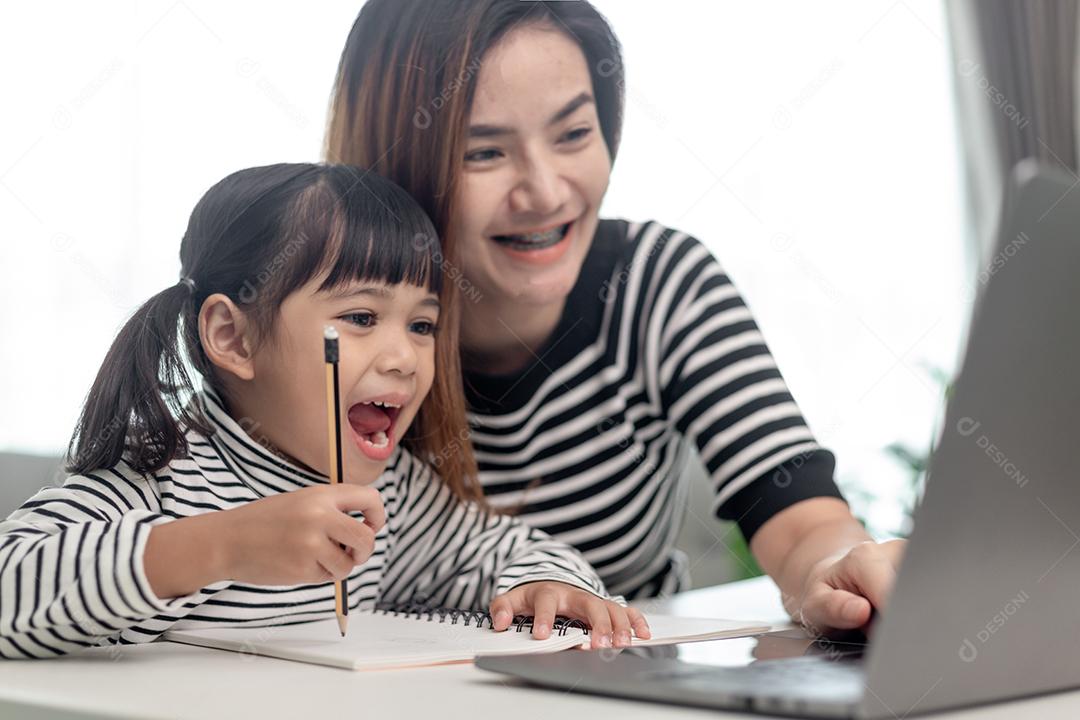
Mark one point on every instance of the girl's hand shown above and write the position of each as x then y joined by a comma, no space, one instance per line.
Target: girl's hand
610,623
296,537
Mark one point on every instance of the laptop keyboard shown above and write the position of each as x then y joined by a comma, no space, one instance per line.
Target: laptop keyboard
796,686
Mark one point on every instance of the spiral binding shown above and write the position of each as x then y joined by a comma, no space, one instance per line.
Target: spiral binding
421,608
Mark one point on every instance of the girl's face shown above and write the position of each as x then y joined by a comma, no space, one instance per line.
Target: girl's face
386,366
535,170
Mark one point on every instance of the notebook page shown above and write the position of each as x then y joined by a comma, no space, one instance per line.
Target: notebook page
669,629
375,641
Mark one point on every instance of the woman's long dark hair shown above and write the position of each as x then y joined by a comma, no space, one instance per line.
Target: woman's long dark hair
257,236
401,101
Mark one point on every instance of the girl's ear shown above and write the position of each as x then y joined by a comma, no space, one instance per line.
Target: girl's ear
226,336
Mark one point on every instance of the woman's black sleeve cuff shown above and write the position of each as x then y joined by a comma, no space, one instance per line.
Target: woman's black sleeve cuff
801,478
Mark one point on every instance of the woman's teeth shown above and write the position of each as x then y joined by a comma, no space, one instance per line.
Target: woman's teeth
379,439
534,241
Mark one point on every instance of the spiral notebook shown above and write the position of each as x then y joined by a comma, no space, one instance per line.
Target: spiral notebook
397,637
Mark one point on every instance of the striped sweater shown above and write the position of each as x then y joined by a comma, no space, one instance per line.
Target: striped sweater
656,356
71,557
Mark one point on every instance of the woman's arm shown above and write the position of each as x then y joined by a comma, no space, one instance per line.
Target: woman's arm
721,388
830,571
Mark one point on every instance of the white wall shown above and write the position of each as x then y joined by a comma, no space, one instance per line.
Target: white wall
809,144
812,147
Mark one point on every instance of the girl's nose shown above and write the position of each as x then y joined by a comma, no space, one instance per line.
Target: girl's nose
397,355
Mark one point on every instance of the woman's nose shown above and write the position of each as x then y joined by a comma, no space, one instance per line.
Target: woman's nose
541,189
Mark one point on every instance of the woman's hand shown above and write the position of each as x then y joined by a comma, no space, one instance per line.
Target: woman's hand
831,573
843,591
610,624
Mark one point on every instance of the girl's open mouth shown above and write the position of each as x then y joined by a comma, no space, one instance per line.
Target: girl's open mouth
372,425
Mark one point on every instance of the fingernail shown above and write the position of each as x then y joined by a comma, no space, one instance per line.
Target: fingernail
604,641
502,618
622,639
541,630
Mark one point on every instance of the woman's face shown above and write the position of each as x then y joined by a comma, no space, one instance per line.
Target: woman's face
535,170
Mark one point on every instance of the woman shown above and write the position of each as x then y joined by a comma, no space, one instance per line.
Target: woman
595,353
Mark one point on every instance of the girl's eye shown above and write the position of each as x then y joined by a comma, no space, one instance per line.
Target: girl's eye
482,155
360,319
576,134
423,327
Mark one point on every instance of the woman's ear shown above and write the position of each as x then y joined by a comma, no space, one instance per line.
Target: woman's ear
225,332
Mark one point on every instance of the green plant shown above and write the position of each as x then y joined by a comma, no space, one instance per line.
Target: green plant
746,566
916,460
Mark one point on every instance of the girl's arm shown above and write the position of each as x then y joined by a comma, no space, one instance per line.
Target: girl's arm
455,554
459,555
71,565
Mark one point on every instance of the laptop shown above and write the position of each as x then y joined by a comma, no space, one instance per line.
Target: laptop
985,606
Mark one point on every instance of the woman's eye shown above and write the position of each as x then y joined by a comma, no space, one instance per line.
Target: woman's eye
360,319
576,134
482,155
423,327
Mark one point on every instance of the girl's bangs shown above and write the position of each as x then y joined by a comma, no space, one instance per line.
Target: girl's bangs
365,233
385,252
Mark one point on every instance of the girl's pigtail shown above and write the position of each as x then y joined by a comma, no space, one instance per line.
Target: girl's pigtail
135,409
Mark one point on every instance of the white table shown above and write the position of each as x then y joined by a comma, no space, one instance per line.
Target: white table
166,680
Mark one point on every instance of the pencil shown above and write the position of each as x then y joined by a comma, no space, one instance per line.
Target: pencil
333,409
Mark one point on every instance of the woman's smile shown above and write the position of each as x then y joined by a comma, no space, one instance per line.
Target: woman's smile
538,247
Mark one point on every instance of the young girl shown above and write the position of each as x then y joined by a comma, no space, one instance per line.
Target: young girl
217,510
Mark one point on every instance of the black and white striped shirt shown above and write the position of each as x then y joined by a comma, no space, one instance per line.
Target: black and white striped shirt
656,355
71,558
